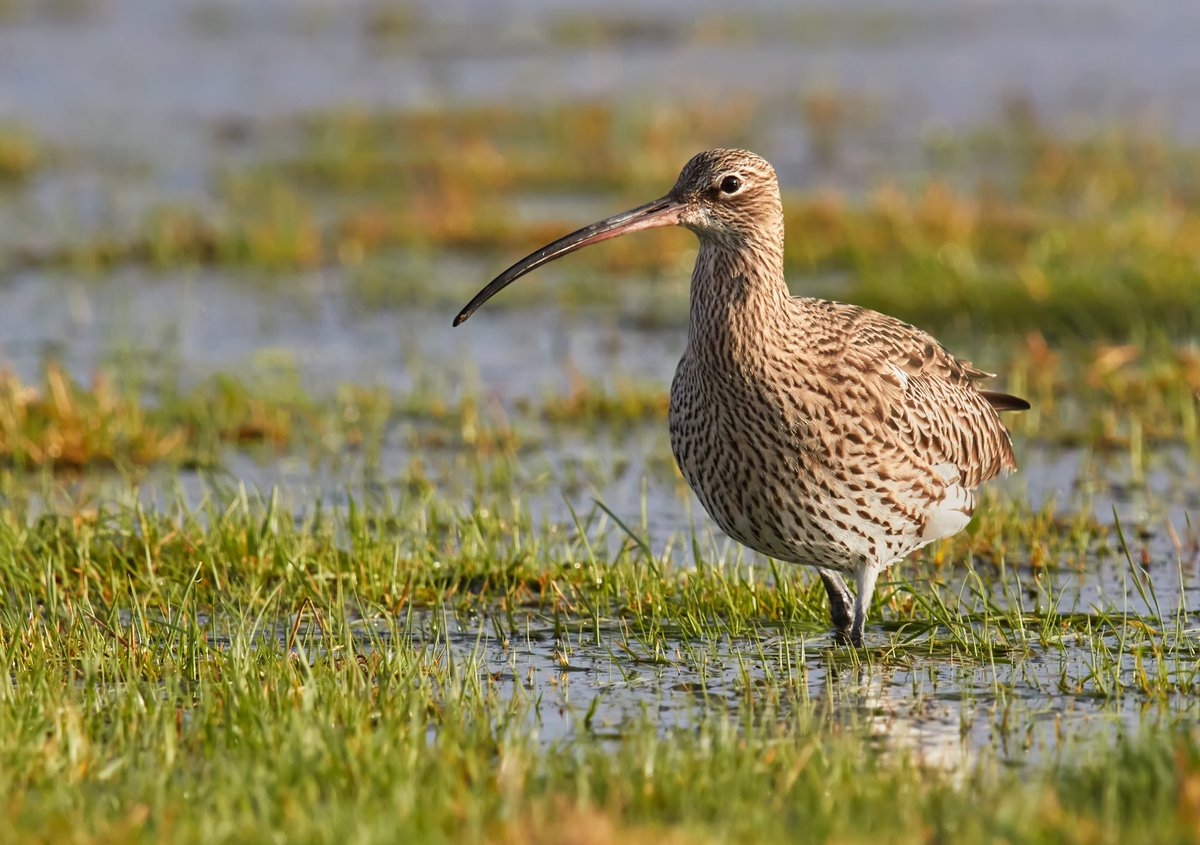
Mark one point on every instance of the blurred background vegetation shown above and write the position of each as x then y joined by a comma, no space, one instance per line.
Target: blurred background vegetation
304,193
262,504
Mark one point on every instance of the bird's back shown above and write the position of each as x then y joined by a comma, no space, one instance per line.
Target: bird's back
924,400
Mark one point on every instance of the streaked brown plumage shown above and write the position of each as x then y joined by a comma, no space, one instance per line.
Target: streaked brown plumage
812,431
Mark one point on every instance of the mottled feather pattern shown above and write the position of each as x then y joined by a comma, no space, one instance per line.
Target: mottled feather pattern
818,432
812,431
950,419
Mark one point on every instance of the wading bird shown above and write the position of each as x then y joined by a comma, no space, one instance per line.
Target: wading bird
814,432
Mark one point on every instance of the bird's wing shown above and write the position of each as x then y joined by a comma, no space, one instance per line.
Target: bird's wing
929,397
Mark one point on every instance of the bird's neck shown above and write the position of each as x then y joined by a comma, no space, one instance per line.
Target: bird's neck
739,296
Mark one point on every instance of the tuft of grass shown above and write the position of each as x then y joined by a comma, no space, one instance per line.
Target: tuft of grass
405,671
1113,400
586,405
20,155
1110,397
275,233
63,425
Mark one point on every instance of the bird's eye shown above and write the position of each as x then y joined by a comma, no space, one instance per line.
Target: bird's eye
731,185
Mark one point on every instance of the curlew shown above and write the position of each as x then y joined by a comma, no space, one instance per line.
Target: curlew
812,431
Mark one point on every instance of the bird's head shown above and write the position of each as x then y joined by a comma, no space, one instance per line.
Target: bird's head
727,197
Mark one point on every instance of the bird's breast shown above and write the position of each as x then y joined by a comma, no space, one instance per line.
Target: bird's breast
749,452
787,472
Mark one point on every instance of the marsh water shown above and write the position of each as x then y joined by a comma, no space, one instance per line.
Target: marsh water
142,96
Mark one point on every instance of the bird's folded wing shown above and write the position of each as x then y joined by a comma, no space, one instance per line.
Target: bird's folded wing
929,397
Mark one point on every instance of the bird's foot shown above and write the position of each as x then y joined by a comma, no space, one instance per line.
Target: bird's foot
851,632
847,636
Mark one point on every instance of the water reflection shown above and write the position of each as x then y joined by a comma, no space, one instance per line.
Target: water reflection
936,708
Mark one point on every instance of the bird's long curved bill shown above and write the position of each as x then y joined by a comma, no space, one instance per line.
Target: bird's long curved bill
661,212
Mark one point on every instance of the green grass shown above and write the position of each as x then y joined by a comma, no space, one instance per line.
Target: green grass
226,673
423,657
1128,399
244,668
121,421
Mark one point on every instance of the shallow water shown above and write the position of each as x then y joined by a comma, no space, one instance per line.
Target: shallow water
947,63
1029,703
945,711
145,125
145,95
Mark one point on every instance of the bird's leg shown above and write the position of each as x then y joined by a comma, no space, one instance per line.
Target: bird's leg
865,581
840,603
